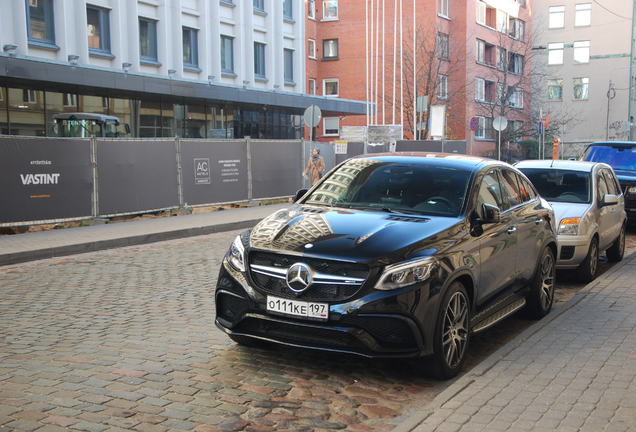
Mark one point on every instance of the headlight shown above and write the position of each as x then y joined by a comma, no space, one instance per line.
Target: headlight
631,190
569,226
405,274
236,254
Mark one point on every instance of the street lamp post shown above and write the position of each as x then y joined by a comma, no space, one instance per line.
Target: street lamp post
611,94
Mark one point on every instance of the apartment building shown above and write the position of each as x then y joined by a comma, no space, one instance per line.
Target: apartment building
470,61
191,68
585,57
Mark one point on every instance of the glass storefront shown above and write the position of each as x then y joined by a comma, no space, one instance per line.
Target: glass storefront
31,112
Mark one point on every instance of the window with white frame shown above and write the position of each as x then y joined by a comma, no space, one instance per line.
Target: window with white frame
331,126
442,86
288,57
329,10
555,53
555,89
259,60
443,8
70,100
556,18
442,45
581,88
311,86
484,128
311,48
583,14
311,9
227,54
502,57
331,87
481,12
516,28
259,5
515,63
485,53
486,15
515,100
582,51
28,96
502,21
484,90
330,49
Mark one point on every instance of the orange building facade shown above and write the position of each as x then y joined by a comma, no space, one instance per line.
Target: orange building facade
472,61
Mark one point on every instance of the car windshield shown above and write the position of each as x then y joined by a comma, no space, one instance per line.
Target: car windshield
618,157
560,185
394,186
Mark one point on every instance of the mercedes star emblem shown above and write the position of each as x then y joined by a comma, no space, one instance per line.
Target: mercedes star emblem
299,277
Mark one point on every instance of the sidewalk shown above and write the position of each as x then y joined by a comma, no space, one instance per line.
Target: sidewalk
46,244
575,370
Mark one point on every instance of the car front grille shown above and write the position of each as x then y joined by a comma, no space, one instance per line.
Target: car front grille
334,281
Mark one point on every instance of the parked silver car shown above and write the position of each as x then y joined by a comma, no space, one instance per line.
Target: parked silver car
589,207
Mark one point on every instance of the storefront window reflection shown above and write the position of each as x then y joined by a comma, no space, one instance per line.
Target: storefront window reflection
26,112
150,119
4,119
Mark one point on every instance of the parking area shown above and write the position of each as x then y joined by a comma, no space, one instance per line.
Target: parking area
124,340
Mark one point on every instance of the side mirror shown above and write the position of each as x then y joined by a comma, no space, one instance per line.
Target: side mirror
127,128
609,199
490,214
300,194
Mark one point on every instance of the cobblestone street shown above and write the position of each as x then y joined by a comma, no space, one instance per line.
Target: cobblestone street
124,339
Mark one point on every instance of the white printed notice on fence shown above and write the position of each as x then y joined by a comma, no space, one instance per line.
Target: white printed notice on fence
230,170
341,146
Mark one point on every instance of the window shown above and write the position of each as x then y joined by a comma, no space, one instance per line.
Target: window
485,53
330,49
527,190
601,187
442,86
311,9
227,54
311,48
331,87
581,88
259,5
40,21
442,46
502,21
259,60
311,86
443,8
98,29
612,186
28,96
516,133
288,55
329,10
484,128
288,11
331,126
516,98
555,53
516,28
582,52
486,15
484,90
555,89
515,63
190,48
489,191
556,17
583,14
148,40
70,100
509,189
502,56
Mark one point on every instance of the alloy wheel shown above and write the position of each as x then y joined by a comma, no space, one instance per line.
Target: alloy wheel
455,327
593,257
547,281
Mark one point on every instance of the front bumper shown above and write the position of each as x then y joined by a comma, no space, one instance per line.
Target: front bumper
376,325
572,250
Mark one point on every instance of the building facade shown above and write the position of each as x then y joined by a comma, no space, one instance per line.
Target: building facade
191,68
585,62
460,59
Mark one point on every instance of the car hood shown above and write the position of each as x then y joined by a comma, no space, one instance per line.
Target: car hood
625,176
568,210
350,234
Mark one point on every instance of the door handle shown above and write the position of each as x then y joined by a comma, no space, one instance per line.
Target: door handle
537,221
511,230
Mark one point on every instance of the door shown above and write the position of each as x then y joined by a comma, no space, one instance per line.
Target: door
615,212
605,219
497,243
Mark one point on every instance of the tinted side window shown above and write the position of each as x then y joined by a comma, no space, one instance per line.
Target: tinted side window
489,191
601,186
611,182
509,189
526,190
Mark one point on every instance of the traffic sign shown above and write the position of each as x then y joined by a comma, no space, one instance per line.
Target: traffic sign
312,116
474,123
500,123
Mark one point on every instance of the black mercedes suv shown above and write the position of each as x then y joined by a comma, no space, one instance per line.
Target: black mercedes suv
393,255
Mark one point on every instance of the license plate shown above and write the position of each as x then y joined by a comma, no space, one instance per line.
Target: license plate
298,308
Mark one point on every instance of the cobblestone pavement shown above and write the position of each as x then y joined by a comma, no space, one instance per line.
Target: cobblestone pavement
124,340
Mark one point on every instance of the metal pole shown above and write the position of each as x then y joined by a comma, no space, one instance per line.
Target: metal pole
498,145
383,68
611,94
414,75
394,55
366,54
402,72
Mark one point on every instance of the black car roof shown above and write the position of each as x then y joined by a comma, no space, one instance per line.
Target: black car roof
451,160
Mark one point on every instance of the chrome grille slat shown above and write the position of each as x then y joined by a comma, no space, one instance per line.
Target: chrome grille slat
318,278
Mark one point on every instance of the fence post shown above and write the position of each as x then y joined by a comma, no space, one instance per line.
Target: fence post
179,172
303,160
95,194
248,144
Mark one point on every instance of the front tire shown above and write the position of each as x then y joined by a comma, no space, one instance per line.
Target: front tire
452,332
616,252
588,268
541,296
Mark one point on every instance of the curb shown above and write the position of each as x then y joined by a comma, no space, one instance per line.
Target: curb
420,415
38,254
